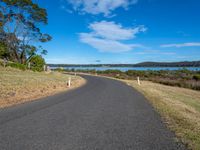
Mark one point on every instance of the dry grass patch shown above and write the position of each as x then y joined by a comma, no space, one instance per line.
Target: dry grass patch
180,108
18,86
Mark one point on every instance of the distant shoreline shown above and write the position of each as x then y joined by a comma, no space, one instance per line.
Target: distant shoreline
124,69
143,64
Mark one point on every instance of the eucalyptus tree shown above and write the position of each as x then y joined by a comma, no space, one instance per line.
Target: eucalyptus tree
19,28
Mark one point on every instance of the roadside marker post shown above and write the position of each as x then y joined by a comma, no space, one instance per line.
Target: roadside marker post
29,65
69,82
4,62
138,80
48,69
45,68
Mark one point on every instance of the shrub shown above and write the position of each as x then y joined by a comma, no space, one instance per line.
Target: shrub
17,65
1,62
60,69
3,51
112,71
37,63
196,77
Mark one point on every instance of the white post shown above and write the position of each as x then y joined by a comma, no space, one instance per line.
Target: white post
69,82
48,69
44,67
29,65
138,80
4,62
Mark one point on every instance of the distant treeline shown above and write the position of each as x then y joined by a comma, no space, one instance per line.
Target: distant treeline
144,64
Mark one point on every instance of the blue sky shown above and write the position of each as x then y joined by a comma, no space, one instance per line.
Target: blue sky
122,31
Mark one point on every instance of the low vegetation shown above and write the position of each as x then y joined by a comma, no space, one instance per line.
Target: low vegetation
36,64
179,107
179,78
17,86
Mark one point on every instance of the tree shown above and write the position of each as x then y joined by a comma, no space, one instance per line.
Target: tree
19,21
3,51
37,63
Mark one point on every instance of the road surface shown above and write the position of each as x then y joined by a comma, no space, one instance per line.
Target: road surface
102,115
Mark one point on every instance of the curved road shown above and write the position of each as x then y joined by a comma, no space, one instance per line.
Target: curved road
104,114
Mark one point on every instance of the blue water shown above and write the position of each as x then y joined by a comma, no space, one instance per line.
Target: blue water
131,68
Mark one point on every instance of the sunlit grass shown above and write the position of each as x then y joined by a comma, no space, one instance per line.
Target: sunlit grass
179,107
18,86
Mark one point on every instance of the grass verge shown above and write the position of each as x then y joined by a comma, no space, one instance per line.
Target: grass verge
18,86
179,107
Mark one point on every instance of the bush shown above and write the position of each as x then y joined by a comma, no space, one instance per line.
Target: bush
37,63
17,65
112,71
3,51
13,65
1,62
196,77
60,69
136,73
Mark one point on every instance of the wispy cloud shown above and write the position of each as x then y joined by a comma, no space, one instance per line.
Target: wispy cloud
108,36
63,7
105,7
182,33
194,44
155,52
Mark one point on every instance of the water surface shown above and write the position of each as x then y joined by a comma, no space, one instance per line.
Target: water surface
131,68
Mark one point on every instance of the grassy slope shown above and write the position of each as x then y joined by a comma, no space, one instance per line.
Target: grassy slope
180,108
18,86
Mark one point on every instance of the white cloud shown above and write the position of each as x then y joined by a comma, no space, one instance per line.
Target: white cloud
106,45
100,6
181,45
107,36
113,31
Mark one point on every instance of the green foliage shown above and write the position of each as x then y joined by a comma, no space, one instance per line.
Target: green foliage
37,63
3,51
33,10
22,18
17,65
1,62
113,71
135,73
60,69
196,77
73,70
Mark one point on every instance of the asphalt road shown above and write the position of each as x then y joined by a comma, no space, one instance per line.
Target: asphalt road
102,115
